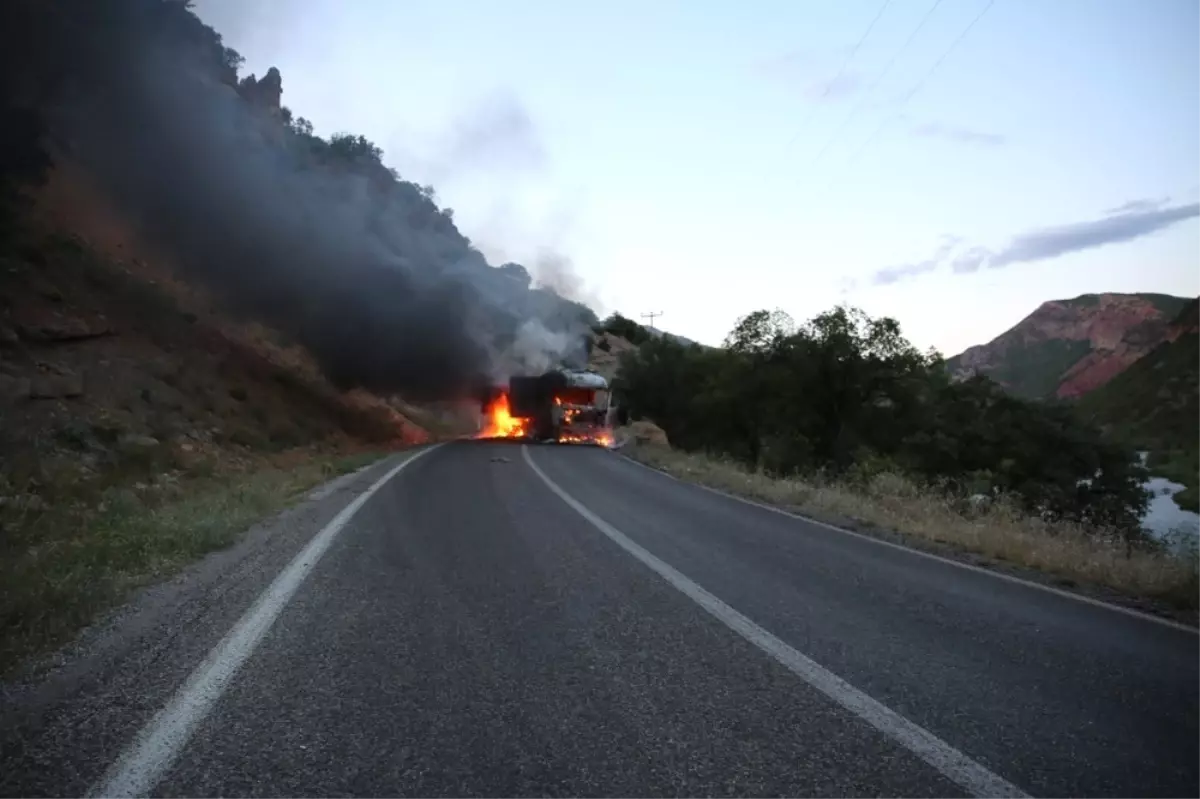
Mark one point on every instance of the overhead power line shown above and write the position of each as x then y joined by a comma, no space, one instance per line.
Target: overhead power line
912,92
921,83
829,86
887,69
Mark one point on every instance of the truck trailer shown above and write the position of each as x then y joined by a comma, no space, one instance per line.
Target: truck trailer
563,406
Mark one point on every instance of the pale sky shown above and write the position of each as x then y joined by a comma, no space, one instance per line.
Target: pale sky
699,159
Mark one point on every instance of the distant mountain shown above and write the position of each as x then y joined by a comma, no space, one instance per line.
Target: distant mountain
1067,348
1154,403
1156,399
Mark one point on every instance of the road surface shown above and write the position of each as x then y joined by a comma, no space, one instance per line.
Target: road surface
501,620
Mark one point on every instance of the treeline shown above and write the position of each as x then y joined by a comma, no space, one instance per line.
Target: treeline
849,396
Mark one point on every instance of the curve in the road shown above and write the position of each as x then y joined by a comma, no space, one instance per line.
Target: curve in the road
161,740
1012,578
471,629
950,762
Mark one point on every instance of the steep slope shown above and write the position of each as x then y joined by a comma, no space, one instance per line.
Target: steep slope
1154,403
1067,348
205,308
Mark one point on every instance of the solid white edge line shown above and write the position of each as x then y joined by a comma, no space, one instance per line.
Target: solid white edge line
1087,600
944,758
158,744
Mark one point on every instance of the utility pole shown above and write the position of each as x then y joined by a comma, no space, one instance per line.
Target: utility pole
652,316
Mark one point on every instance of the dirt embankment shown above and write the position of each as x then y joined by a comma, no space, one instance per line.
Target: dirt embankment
125,396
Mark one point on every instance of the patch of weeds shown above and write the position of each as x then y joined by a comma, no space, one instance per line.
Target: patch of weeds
1072,554
63,565
244,436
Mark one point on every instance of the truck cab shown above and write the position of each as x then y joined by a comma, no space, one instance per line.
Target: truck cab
563,406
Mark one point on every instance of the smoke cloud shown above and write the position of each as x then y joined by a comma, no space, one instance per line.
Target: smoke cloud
363,271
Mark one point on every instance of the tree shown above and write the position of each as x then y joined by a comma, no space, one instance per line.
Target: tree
760,331
625,328
849,394
302,127
353,149
517,273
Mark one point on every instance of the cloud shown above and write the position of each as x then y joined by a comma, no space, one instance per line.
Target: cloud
799,63
1119,226
960,135
838,87
815,72
970,260
1135,206
894,274
1126,222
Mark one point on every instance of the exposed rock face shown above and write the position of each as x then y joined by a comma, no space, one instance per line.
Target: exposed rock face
53,327
265,92
1153,403
1067,348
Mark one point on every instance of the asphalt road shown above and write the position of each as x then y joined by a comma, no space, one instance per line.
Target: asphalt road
498,620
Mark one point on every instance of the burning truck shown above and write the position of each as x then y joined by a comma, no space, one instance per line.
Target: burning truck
563,406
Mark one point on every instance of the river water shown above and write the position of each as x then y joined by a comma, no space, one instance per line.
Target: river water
1163,516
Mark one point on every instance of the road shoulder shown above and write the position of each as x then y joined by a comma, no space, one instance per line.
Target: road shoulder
62,725
1091,592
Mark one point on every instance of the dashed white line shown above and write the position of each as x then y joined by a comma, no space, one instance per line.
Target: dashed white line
159,743
951,763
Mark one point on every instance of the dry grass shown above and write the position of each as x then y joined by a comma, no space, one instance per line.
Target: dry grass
62,564
1068,552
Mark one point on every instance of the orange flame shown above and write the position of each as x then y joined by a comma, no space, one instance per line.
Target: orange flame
500,423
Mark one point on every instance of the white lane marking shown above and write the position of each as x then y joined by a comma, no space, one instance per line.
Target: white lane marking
158,743
943,757
1100,603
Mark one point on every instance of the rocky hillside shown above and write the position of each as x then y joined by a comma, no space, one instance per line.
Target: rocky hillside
1154,403
1067,348
105,359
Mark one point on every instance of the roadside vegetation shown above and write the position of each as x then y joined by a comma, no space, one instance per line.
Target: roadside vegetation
148,416
64,562
1069,554
841,416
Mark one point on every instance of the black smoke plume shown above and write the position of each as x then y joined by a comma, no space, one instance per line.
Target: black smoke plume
314,237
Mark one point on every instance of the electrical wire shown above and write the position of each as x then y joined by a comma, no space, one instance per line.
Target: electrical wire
921,83
829,86
862,101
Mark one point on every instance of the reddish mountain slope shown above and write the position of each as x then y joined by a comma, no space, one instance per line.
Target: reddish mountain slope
1067,348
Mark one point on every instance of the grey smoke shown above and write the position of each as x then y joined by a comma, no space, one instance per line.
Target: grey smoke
497,136
382,290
